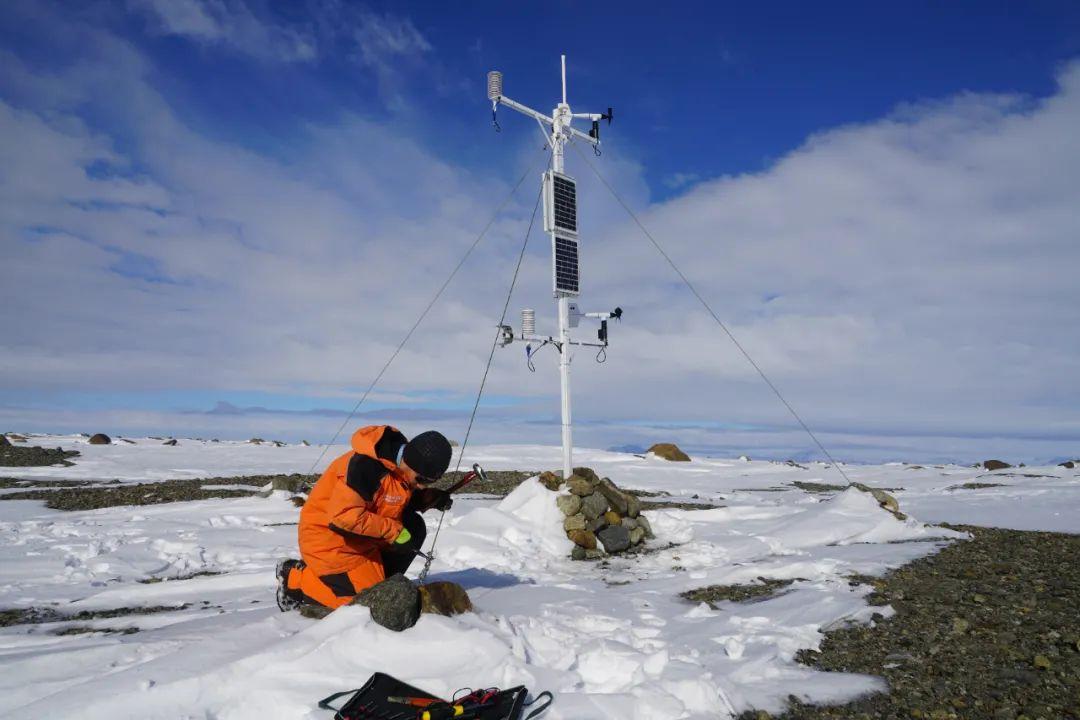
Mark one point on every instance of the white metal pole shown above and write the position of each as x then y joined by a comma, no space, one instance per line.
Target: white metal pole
563,305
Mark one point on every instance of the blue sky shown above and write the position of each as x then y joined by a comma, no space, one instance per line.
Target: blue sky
248,202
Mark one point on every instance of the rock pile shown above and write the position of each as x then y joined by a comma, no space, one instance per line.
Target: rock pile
597,514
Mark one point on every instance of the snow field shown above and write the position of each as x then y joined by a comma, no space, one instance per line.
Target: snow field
612,640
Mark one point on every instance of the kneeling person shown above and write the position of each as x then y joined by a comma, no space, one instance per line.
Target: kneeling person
361,522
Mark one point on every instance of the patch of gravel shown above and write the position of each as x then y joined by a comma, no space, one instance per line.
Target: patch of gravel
15,456
263,480
188,576
93,497
818,487
713,594
974,486
985,629
10,482
500,482
87,630
677,505
40,615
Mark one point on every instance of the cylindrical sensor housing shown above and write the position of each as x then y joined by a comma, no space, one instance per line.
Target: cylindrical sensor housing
528,322
494,85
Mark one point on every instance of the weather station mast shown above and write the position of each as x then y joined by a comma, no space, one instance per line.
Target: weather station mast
561,224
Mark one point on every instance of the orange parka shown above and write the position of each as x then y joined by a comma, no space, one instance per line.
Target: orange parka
355,508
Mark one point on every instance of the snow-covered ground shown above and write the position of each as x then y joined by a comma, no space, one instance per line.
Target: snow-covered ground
611,640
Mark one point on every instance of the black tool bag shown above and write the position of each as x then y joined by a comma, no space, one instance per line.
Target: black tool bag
371,702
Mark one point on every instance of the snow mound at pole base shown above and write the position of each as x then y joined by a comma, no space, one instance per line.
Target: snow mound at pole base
522,533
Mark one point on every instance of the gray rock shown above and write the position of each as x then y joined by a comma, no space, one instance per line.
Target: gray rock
614,496
594,506
575,522
597,524
578,553
594,554
643,523
394,603
569,504
615,538
629,523
579,485
171,442
587,473
633,505
636,536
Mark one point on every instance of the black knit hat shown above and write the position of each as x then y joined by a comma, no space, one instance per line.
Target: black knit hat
428,454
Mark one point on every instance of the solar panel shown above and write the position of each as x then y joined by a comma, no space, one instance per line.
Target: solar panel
565,203
560,203
566,265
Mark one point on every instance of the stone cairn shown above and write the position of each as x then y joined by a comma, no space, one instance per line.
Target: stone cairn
597,514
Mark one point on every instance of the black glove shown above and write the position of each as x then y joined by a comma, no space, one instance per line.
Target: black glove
425,499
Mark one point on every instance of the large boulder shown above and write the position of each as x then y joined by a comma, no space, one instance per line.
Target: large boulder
444,598
995,465
615,538
394,603
644,524
100,439
669,451
1069,464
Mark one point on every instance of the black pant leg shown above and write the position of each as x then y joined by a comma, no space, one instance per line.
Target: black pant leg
397,560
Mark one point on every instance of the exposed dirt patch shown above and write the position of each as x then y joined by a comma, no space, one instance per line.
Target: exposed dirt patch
499,482
8,482
92,497
15,456
39,615
713,594
189,576
677,505
984,629
818,487
86,630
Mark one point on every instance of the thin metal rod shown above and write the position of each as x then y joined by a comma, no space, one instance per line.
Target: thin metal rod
563,79
715,317
420,319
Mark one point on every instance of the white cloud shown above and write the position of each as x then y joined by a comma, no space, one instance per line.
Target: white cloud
907,277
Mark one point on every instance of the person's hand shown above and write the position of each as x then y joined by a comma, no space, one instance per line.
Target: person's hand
428,498
403,538
441,499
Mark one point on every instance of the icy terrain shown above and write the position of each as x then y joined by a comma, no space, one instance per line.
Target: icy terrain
612,640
